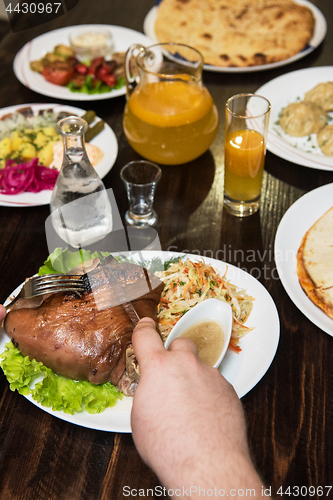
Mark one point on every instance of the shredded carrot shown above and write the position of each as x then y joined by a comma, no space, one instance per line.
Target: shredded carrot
181,293
187,287
234,347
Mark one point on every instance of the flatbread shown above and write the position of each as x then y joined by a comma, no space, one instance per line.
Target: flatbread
236,33
315,263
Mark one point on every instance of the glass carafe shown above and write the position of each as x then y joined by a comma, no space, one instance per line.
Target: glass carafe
170,117
80,207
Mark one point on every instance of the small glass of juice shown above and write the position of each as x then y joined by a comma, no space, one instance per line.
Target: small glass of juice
247,118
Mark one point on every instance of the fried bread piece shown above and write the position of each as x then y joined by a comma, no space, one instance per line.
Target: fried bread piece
240,33
314,263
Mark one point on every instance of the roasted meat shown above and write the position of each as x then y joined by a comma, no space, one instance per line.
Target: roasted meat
86,337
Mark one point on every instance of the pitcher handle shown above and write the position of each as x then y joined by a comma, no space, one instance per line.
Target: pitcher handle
131,68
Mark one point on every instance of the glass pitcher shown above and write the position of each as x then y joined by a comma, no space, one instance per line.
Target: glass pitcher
170,117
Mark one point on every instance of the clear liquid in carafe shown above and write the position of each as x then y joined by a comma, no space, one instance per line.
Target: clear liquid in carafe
80,207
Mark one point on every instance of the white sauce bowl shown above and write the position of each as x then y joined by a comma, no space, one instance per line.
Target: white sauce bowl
208,310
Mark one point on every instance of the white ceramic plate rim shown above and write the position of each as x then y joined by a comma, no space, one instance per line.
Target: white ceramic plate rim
242,370
318,37
33,50
293,226
105,140
282,91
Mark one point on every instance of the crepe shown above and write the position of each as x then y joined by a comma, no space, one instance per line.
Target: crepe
315,263
240,33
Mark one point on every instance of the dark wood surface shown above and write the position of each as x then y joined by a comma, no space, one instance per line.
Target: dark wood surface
289,412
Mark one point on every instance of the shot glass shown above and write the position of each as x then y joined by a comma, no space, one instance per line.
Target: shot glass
247,118
140,179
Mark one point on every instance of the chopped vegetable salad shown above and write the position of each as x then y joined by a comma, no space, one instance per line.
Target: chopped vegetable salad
188,283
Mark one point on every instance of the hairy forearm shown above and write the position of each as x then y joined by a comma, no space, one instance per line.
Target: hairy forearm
232,476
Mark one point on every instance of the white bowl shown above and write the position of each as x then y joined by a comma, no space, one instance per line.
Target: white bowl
87,45
210,309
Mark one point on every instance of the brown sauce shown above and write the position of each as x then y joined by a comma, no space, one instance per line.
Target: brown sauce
208,337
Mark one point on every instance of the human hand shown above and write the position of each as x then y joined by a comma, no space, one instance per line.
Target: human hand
187,421
2,313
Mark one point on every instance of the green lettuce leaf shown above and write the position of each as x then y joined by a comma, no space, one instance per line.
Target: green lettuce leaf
19,370
54,391
62,261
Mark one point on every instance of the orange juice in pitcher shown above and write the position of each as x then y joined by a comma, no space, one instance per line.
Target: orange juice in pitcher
170,117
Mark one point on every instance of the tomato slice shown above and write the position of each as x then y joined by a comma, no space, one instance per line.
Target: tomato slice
58,73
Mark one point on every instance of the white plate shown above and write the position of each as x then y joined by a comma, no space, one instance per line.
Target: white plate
105,140
318,37
293,226
243,370
281,91
36,48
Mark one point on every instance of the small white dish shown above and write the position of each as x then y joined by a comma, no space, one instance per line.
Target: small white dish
87,45
208,310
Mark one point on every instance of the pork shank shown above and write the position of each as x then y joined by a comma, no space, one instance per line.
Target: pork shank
86,338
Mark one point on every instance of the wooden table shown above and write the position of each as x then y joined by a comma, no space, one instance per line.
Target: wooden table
289,412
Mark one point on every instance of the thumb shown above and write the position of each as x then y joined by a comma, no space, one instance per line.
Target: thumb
183,344
2,313
146,341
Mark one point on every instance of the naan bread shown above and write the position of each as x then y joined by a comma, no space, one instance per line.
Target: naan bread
236,33
315,263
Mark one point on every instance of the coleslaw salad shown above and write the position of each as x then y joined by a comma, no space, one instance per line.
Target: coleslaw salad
189,283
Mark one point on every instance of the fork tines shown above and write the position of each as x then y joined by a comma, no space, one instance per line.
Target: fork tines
52,282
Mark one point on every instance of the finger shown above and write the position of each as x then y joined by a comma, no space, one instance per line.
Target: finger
183,344
2,313
146,341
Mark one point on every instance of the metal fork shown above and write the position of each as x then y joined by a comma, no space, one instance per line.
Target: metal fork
51,283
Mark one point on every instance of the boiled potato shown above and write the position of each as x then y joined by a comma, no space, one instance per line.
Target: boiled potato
51,132
45,155
41,140
28,144
6,147
18,138
27,151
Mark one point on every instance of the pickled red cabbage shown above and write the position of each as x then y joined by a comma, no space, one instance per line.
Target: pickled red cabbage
31,177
